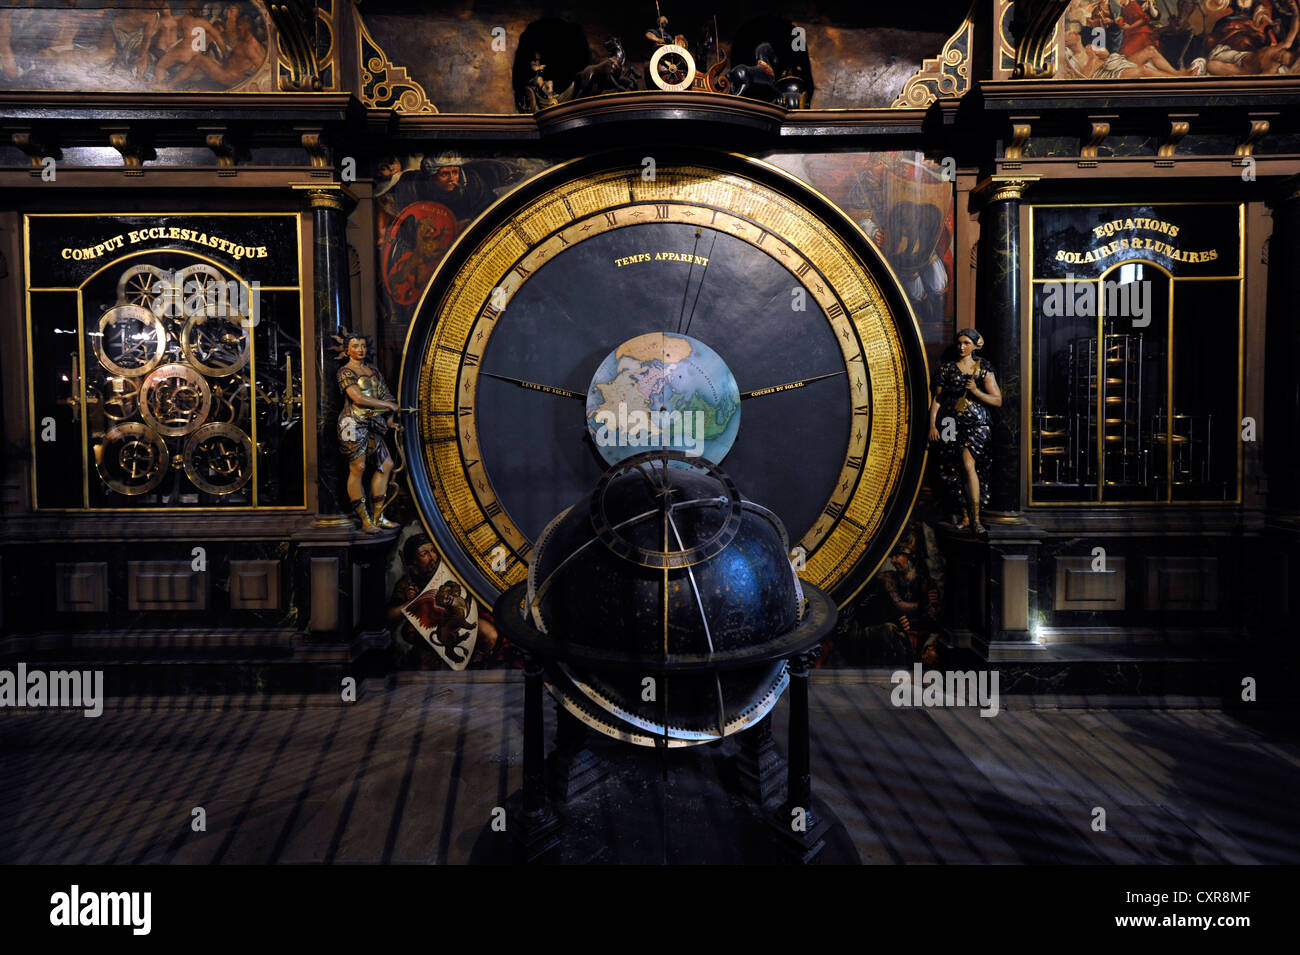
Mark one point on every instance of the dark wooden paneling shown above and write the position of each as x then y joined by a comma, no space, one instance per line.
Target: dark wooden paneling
165,585
255,585
1079,587
81,587
1182,583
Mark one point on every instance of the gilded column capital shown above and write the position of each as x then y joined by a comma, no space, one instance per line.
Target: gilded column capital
326,195
1003,188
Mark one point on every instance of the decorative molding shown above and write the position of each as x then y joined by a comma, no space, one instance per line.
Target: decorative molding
1258,129
1036,21
1006,44
1019,137
1099,131
133,151
295,27
217,139
945,77
384,84
36,146
1177,130
317,148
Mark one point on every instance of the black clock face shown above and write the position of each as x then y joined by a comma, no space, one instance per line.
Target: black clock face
736,255
564,321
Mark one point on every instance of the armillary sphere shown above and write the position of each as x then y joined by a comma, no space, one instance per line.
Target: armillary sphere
218,458
175,400
672,68
134,459
216,345
130,341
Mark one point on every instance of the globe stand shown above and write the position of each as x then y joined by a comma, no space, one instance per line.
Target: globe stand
799,831
573,767
540,834
760,764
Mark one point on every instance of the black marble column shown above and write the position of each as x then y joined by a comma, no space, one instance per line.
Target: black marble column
997,318
1279,450
333,309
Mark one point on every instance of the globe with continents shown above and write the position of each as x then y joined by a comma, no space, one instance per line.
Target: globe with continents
663,390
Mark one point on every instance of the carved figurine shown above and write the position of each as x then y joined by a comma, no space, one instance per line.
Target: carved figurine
539,92
362,425
610,75
964,391
757,81
659,35
792,88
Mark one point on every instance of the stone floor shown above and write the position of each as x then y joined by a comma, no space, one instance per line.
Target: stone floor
412,774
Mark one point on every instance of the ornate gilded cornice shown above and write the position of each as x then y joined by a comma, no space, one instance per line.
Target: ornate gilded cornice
385,85
945,77
296,30
1034,26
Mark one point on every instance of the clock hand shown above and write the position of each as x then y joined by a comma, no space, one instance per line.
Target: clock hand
788,386
700,287
681,313
533,386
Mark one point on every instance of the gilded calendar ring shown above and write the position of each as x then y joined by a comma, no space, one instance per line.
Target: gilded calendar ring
175,400
218,458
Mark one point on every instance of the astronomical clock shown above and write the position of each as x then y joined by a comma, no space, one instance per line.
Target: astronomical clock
723,258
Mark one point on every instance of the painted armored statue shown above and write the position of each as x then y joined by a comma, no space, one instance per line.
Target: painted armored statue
362,426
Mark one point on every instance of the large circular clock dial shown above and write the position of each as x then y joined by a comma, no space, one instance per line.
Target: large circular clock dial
795,302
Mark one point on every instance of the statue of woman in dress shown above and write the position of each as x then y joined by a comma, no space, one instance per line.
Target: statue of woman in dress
363,422
964,391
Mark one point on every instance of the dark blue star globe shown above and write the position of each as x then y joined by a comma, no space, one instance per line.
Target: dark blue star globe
665,561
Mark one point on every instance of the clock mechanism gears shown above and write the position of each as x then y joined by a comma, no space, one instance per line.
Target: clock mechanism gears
175,400
133,459
130,340
218,458
171,405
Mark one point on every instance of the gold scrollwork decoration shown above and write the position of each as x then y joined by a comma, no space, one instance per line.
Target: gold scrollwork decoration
385,85
946,76
294,26
1036,42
